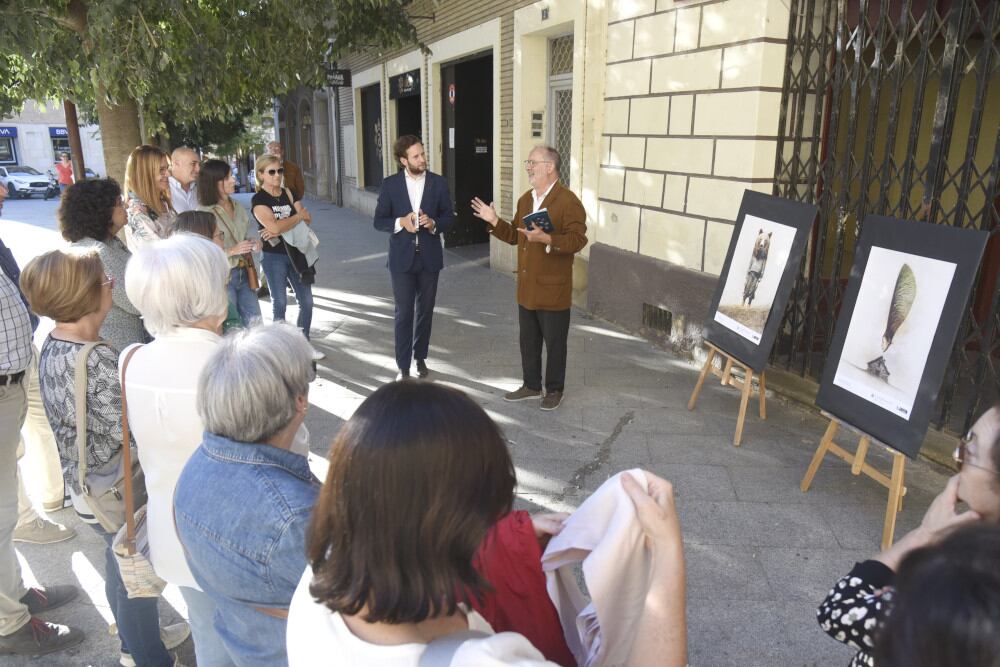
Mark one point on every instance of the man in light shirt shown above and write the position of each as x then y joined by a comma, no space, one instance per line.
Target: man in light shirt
184,167
415,207
544,273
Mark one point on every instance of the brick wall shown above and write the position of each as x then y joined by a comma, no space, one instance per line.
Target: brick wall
692,97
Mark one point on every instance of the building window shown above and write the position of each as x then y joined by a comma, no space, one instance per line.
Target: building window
371,135
8,154
306,136
561,100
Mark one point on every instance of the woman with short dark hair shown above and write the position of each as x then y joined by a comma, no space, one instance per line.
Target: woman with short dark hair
417,477
90,215
239,240
947,606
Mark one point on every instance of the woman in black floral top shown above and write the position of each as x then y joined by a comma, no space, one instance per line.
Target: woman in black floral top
856,607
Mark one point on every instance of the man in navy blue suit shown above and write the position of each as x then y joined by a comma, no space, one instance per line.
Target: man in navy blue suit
415,207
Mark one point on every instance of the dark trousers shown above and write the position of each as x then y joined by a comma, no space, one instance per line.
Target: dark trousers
552,328
414,292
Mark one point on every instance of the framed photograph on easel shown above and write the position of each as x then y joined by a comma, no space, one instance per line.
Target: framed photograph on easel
756,280
900,315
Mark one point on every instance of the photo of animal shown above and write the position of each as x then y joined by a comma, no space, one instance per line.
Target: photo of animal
758,260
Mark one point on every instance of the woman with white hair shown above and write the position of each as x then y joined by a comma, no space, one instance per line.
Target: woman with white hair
179,286
242,502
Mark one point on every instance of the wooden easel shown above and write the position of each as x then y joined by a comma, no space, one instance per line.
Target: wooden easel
858,466
745,386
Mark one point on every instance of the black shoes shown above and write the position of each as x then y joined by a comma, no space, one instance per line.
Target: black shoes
422,368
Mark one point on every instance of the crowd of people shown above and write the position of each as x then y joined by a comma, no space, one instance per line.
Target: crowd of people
409,553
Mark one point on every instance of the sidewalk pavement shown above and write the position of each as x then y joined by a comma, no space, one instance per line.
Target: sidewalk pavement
760,554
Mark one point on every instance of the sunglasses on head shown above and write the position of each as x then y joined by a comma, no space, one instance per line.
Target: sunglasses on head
272,172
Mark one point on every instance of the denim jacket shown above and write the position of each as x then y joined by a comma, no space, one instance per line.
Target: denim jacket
242,511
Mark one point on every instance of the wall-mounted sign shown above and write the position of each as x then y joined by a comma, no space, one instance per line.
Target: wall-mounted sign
338,78
8,131
404,85
482,146
58,132
451,94
537,124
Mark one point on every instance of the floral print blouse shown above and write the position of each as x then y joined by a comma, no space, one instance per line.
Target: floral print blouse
856,608
144,225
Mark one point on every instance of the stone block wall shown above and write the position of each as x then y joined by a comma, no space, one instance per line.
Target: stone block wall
691,106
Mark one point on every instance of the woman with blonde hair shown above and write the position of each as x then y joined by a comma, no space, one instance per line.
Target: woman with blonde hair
72,288
289,255
147,184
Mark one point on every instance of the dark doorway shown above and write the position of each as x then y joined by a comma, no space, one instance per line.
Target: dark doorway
405,90
467,100
371,136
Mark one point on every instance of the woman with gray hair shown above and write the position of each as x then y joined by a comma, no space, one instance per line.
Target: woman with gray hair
243,501
179,286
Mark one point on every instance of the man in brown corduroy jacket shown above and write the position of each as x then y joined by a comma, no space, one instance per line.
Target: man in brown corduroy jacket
544,273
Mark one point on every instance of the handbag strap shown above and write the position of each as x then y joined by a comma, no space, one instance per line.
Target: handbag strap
127,459
80,398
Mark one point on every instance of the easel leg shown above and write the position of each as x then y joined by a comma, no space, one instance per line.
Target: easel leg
701,379
761,390
817,459
895,495
727,371
744,399
859,456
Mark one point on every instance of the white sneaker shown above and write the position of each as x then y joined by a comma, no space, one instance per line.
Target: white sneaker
172,636
316,354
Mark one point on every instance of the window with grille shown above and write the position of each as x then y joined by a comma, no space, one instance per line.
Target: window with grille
561,100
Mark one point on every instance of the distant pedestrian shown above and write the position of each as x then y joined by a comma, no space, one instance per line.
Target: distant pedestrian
544,273
242,502
415,207
64,172
90,216
239,239
184,167
292,177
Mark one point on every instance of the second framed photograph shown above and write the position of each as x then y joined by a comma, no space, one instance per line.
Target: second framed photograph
897,325
765,252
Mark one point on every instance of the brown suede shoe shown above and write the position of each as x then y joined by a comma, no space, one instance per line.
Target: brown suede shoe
522,394
552,400
38,637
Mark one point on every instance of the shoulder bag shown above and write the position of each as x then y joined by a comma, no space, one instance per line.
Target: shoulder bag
107,505
140,580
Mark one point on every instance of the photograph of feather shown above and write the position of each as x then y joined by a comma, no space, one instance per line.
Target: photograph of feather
759,260
893,325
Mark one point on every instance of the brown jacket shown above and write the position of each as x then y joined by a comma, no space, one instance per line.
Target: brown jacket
545,279
293,179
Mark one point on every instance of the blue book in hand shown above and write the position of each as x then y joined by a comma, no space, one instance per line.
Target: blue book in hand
540,219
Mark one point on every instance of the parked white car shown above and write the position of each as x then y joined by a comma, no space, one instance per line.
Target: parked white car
23,181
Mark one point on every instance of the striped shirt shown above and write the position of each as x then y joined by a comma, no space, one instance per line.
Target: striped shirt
15,329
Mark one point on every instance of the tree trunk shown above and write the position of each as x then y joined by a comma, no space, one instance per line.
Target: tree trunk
119,134
75,146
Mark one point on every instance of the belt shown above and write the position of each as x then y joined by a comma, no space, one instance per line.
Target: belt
13,378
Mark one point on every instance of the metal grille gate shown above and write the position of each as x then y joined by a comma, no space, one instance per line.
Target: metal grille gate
893,107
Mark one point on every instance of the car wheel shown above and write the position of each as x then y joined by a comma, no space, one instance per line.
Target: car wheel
12,192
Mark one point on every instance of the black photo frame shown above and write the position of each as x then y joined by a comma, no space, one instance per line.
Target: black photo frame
898,283
751,341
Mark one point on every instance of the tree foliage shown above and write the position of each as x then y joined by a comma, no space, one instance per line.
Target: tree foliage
182,60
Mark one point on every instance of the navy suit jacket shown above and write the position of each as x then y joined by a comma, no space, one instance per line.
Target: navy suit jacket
394,202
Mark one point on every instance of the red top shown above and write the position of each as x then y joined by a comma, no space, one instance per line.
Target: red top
510,558
65,172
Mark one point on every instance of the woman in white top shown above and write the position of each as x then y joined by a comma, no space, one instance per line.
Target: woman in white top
417,476
179,286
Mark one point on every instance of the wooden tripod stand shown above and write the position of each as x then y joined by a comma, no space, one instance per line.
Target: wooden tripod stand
726,374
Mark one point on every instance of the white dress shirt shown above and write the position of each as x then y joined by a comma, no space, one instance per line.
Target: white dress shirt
538,199
415,191
183,200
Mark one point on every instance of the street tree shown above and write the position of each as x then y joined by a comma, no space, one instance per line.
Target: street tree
136,62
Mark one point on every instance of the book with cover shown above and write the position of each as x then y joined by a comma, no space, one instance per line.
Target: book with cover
539,218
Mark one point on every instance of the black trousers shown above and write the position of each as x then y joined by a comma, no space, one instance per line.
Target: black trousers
413,290
552,328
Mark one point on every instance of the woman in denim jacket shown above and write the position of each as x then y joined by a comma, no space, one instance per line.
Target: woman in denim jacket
243,500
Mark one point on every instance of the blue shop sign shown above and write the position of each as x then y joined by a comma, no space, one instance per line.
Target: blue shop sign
58,132
8,131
